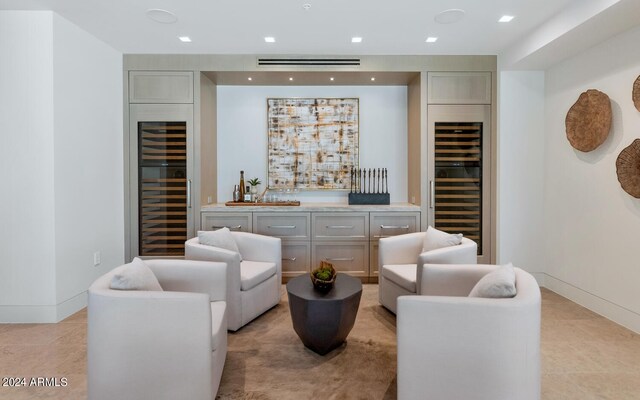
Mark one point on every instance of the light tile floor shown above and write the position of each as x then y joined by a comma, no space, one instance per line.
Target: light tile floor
584,356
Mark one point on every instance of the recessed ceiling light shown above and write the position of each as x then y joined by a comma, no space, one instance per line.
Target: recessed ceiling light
450,16
505,18
373,78
356,39
331,78
249,78
431,39
306,6
290,78
185,39
161,16
270,39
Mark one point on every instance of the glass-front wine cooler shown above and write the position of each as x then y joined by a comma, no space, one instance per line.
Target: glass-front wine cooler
162,183
459,174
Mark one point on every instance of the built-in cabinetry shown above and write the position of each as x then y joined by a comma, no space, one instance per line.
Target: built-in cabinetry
160,168
346,236
459,156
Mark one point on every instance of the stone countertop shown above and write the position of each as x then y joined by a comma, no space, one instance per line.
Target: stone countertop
308,207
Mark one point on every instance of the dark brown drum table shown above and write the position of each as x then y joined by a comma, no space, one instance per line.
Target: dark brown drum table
323,320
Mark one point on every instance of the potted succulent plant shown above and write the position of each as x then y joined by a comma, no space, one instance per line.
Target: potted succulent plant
324,276
254,187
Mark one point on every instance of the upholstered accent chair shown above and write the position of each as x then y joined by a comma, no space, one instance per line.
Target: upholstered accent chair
168,344
253,280
400,259
451,346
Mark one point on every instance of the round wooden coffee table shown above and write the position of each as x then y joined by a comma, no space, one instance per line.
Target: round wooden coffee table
323,320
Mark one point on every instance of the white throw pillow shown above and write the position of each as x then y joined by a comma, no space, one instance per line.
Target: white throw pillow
221,238
436,239
135,276
498,284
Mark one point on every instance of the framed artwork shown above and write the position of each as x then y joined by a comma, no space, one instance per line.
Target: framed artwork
313,143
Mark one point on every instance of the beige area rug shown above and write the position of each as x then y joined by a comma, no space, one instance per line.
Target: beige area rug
267,360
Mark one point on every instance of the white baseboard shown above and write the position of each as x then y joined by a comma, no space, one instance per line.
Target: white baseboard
27,314
539,277
616,313
42,313
71,306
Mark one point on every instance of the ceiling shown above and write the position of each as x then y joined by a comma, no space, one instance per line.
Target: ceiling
543,32
239,26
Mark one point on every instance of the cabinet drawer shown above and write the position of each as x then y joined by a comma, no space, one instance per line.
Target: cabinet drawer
296,259
350,258
392,224
290,226
234,221
335,226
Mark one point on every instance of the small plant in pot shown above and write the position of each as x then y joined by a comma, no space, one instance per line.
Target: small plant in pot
324,276
254,184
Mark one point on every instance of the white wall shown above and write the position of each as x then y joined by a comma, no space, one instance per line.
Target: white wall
61,105
521,169
27,265
592,226
242,133
88,161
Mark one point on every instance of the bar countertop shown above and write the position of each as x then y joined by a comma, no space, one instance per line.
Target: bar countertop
311,207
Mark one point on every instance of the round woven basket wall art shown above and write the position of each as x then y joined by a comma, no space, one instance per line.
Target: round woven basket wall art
628,169
589,120
636,93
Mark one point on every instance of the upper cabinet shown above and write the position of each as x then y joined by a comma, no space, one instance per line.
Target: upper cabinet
165,87
459,87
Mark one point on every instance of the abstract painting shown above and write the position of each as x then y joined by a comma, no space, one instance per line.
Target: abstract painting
313,143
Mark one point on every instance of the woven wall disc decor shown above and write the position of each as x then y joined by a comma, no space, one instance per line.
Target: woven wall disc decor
636,93
588,121
628,169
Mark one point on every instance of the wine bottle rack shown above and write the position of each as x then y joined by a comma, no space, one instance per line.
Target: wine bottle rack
458,182
162,155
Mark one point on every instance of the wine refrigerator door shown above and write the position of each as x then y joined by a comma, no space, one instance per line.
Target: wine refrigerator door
160,177
459,165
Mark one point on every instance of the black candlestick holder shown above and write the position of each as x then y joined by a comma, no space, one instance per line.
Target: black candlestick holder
369,186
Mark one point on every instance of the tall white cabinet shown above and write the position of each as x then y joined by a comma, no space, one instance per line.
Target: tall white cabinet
459,156
160,165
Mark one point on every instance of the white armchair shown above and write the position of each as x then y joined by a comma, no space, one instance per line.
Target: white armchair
253,285
399,259
167,344
451,346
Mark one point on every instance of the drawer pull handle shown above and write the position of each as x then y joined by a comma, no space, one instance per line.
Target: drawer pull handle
281,226
289,259
340,259
339,226
394,226
231,228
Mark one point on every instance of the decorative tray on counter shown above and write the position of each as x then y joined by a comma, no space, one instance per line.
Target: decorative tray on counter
262,204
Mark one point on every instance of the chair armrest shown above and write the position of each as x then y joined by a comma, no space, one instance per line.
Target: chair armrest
200,252
467,335
170,330
401,249
192,276
450,279
464,253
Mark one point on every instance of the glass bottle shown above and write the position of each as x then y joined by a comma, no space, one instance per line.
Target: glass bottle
241,186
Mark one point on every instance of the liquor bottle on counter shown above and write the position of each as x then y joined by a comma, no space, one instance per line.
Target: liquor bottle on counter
247,195
242,192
